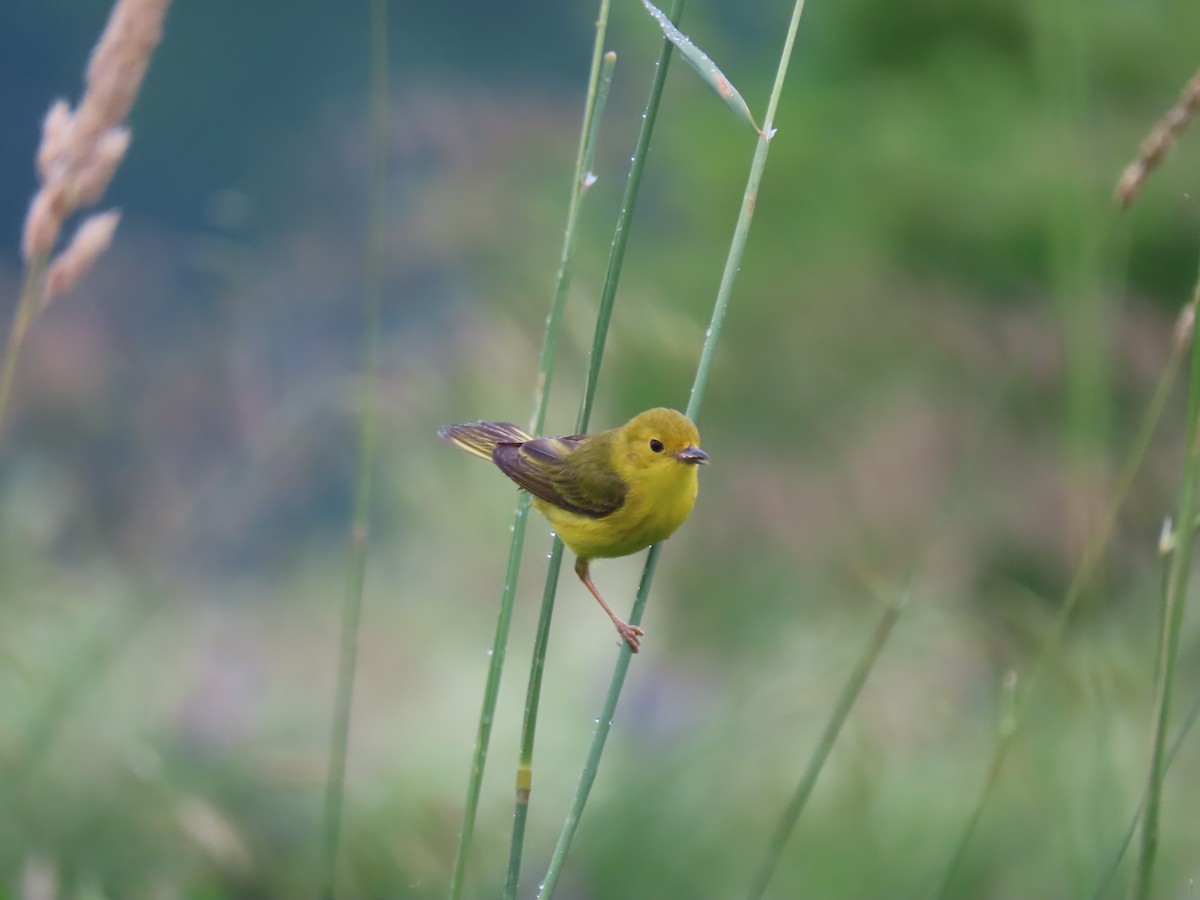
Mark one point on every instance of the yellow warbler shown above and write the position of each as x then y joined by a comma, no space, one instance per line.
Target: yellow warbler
606,494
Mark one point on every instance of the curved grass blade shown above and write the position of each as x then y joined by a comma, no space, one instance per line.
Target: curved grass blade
705,67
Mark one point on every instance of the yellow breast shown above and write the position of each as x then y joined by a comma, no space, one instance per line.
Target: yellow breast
652,511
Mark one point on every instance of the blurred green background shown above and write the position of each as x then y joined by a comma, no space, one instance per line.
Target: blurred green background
940,346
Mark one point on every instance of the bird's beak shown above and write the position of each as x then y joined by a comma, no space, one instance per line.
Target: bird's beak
692,454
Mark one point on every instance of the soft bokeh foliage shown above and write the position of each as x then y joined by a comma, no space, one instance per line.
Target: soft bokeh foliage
939,349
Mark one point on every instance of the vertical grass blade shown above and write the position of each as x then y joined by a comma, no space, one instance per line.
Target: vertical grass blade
335,778
616,255
26,307
599,81
724,292
533,696
596,356
850,692
1080,580
1111,872
1176,598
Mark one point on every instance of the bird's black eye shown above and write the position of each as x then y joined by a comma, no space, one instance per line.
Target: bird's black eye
656,445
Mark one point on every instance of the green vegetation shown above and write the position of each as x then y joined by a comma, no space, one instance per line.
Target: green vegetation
939,380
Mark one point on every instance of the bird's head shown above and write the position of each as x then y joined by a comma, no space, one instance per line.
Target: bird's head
659,438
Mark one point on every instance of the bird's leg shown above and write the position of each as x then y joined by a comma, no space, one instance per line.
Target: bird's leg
630,633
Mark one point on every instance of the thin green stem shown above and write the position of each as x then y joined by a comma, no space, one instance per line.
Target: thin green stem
591,765
616,256
532,701
598,85
26,307
1176,596
741,231
1188,723
724,292
603,317
335,779
1081,579
833,727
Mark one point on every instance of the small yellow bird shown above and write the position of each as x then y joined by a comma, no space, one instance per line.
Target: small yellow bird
606,494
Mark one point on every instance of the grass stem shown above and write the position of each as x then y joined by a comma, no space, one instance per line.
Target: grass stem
597,95
1079,582
335,779
849,695
26,308
1176,596
603,318
724,292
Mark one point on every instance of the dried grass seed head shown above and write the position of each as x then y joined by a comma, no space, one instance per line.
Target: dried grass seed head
94,236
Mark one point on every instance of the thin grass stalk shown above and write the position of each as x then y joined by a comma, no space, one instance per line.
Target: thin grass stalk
532,702
335,779
599,82
1111,873
851,690
591,765
26,307
616,256
1176,598
598,86
603,318
721,304
1080,580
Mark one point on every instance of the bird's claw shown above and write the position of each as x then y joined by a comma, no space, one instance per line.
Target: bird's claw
631,634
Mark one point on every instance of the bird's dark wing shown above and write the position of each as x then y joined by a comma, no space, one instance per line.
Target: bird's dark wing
481,438
573,473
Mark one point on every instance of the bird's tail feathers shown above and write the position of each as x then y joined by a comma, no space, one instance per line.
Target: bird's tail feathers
481,438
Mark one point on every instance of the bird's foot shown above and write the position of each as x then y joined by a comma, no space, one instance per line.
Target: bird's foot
631,634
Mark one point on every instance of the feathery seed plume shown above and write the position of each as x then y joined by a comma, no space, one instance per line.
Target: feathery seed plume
93,237
81,148
1158,143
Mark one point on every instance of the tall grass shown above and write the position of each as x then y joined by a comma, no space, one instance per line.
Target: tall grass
729,274
733,762
608,295
360,528
599,81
